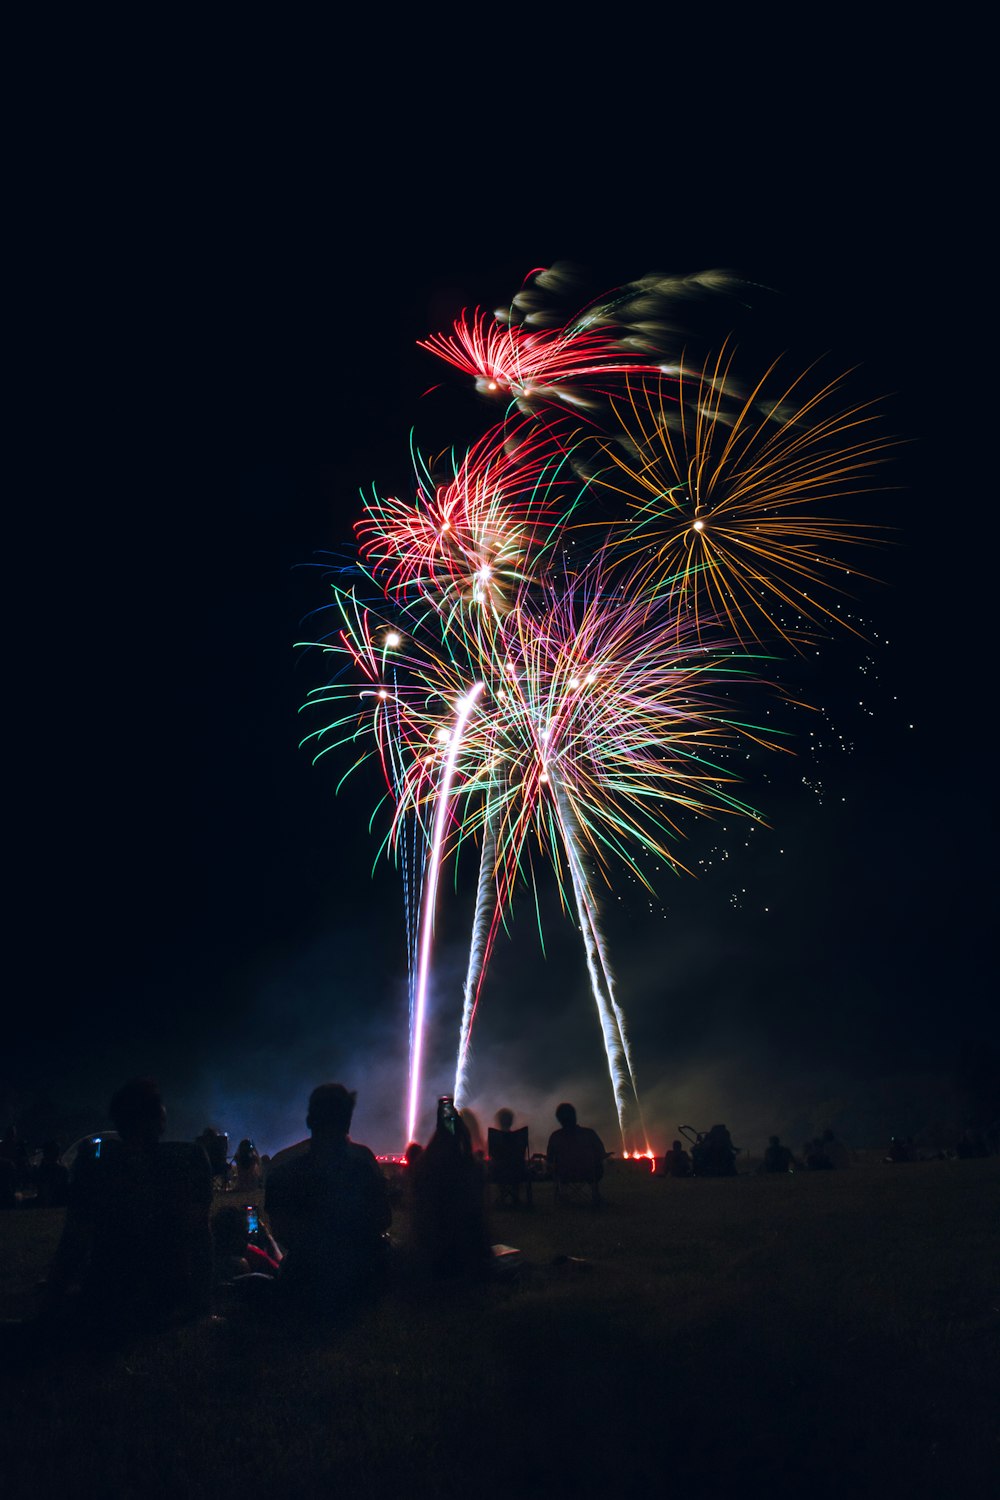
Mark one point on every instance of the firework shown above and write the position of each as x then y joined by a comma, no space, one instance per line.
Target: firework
531,368
474,540
551,686
721,496
464,710
599,724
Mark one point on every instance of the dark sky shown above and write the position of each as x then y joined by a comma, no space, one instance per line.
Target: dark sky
222,356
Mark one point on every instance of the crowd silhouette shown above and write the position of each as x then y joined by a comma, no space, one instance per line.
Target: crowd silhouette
147,1245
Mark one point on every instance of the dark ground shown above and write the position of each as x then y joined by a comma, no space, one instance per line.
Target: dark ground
823,1334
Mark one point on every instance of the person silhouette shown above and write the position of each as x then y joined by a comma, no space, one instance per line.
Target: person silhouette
135,1255
508,1161
575,1153
677,1161
777,1158
329,1211
449,1234
248,1169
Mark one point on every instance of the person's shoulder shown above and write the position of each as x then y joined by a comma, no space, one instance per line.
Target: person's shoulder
292,1169
363,1157
355,1148
301,1150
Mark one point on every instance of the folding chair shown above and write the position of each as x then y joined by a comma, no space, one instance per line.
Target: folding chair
508,1165
573,1168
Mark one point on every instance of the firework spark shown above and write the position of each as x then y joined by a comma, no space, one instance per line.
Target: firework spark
722,498
554,686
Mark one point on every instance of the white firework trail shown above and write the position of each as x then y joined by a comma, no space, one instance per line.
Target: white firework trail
428,902
486,900
610,1012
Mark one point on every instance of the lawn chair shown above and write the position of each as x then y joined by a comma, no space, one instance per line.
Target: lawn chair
508,1166
575,1170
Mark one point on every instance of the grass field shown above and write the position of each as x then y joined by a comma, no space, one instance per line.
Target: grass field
826,1334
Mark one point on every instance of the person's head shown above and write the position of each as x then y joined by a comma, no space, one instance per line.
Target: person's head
566,1115
676,1146
137,1111
331,1108
772,1140
505,1118
412,1152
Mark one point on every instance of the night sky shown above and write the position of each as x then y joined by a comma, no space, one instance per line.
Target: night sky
223,356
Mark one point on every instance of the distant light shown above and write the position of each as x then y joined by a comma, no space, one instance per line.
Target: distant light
699,526
382,693
393,638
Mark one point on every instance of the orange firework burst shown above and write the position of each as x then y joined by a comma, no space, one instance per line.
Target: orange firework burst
722,488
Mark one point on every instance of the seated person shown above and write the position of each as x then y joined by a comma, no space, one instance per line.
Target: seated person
677,1162
575,1153
329,1210
715,1154
449,1229
777,1158
839,1155
815,1157
136,1247
508,1160
248,1169
237,1251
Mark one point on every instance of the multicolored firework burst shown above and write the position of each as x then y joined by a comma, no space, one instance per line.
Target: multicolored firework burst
475,539
554,687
